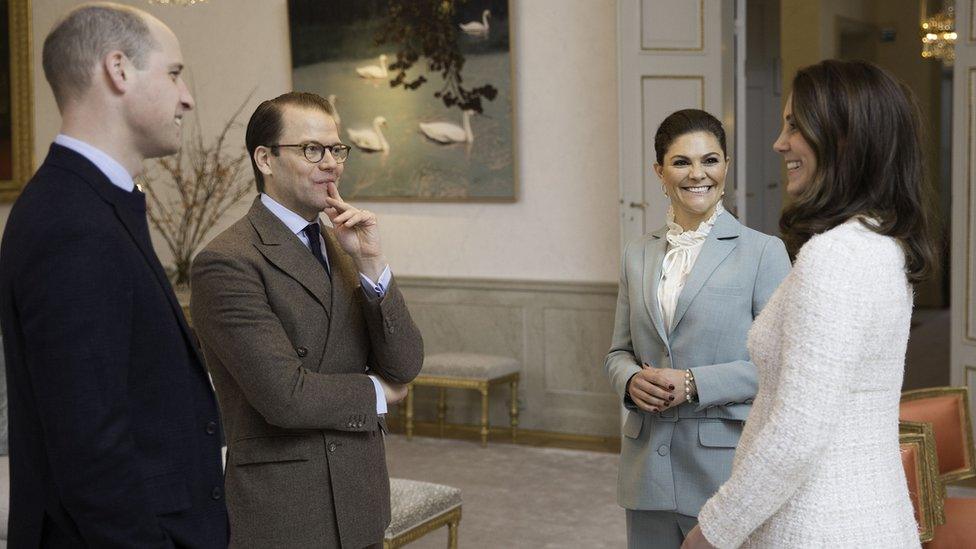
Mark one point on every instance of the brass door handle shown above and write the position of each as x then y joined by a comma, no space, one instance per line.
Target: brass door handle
641,205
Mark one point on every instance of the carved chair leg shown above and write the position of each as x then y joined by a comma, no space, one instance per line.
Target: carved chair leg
441,409
409,419
484,415
515,409
452,535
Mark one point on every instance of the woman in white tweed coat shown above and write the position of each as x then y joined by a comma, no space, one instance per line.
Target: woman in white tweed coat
818,463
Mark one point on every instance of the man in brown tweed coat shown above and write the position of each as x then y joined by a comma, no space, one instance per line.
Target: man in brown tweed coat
308,340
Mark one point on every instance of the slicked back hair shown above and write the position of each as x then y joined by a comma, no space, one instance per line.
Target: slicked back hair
265,126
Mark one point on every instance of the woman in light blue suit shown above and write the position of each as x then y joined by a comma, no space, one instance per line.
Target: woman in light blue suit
688,294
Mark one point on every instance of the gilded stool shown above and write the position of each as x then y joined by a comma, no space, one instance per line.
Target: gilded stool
466,371
418,508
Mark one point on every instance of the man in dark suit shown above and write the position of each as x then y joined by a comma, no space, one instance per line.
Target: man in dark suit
305,332
114,433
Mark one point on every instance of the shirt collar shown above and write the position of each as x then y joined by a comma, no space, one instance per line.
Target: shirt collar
119,176
292,220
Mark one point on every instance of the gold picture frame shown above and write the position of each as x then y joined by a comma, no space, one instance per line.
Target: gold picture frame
17,141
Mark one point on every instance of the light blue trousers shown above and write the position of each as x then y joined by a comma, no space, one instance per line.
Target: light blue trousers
657,529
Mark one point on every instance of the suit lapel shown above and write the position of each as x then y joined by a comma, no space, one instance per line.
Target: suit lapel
133,217
283,249
654,249
721,240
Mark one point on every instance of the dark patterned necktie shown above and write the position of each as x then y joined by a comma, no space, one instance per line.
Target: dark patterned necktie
315,244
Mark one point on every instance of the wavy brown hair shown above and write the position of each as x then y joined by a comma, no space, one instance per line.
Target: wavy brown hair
864,127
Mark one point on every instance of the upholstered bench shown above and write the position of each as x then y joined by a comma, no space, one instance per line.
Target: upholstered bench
466,371
418,508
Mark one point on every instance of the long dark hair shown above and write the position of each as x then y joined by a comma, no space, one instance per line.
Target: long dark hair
864,128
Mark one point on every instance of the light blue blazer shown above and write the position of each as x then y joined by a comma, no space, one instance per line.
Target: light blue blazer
676,459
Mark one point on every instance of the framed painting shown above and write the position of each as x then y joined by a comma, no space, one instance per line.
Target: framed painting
16,107
422,91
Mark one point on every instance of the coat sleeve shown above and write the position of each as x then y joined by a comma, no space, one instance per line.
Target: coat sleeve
817,354
75,303
396,346
735,382
621,363
235,322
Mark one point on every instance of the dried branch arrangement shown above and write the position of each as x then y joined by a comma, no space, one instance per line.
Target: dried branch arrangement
207,181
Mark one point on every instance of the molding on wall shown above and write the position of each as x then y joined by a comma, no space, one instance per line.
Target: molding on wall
508,285
558,331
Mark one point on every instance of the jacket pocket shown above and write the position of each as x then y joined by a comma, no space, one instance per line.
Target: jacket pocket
270,450
633,424
719,433
168,493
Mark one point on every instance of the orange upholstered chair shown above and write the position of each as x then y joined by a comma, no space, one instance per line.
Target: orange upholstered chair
922,472
947,410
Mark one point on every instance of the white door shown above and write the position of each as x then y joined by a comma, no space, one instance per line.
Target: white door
672,54
963,269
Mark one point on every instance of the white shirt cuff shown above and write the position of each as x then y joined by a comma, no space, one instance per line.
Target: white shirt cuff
377,289
380,396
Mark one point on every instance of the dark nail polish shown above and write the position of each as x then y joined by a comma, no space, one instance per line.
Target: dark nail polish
671,397
671,387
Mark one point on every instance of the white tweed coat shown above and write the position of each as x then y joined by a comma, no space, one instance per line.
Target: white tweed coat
818,464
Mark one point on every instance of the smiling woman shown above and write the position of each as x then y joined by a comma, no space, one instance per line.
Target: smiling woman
16,109
689,292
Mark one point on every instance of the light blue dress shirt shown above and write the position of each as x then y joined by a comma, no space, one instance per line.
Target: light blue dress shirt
296,224
119,176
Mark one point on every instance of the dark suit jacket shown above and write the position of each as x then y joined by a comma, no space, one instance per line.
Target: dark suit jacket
114,431
288,349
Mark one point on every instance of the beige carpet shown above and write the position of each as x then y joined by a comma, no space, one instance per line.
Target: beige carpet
517,496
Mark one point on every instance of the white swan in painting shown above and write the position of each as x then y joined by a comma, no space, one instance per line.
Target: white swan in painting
445,132
370,140
374,71
475,27
335,112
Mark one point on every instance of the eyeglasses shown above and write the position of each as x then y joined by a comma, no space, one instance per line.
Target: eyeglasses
315,152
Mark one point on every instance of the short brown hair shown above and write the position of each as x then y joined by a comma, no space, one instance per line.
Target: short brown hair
84,36
264,127
864,128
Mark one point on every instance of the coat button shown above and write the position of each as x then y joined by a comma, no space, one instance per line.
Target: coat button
302,351
216,493
332,447
663,450
211,427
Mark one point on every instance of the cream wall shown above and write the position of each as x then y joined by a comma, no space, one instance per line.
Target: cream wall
564,224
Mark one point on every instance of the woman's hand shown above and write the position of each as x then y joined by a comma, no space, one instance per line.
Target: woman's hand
696,540
655,389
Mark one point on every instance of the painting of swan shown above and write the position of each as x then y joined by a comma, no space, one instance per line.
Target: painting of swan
447,133
370,140
474,27
374,71
413,142
335,112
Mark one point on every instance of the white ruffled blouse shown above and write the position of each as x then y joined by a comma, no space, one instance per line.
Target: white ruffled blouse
683,249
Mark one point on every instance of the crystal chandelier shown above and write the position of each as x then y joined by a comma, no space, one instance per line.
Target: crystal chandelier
939,34
177,2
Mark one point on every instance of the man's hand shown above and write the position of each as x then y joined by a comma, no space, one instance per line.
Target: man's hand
357,233
696,540
394,392
655,389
